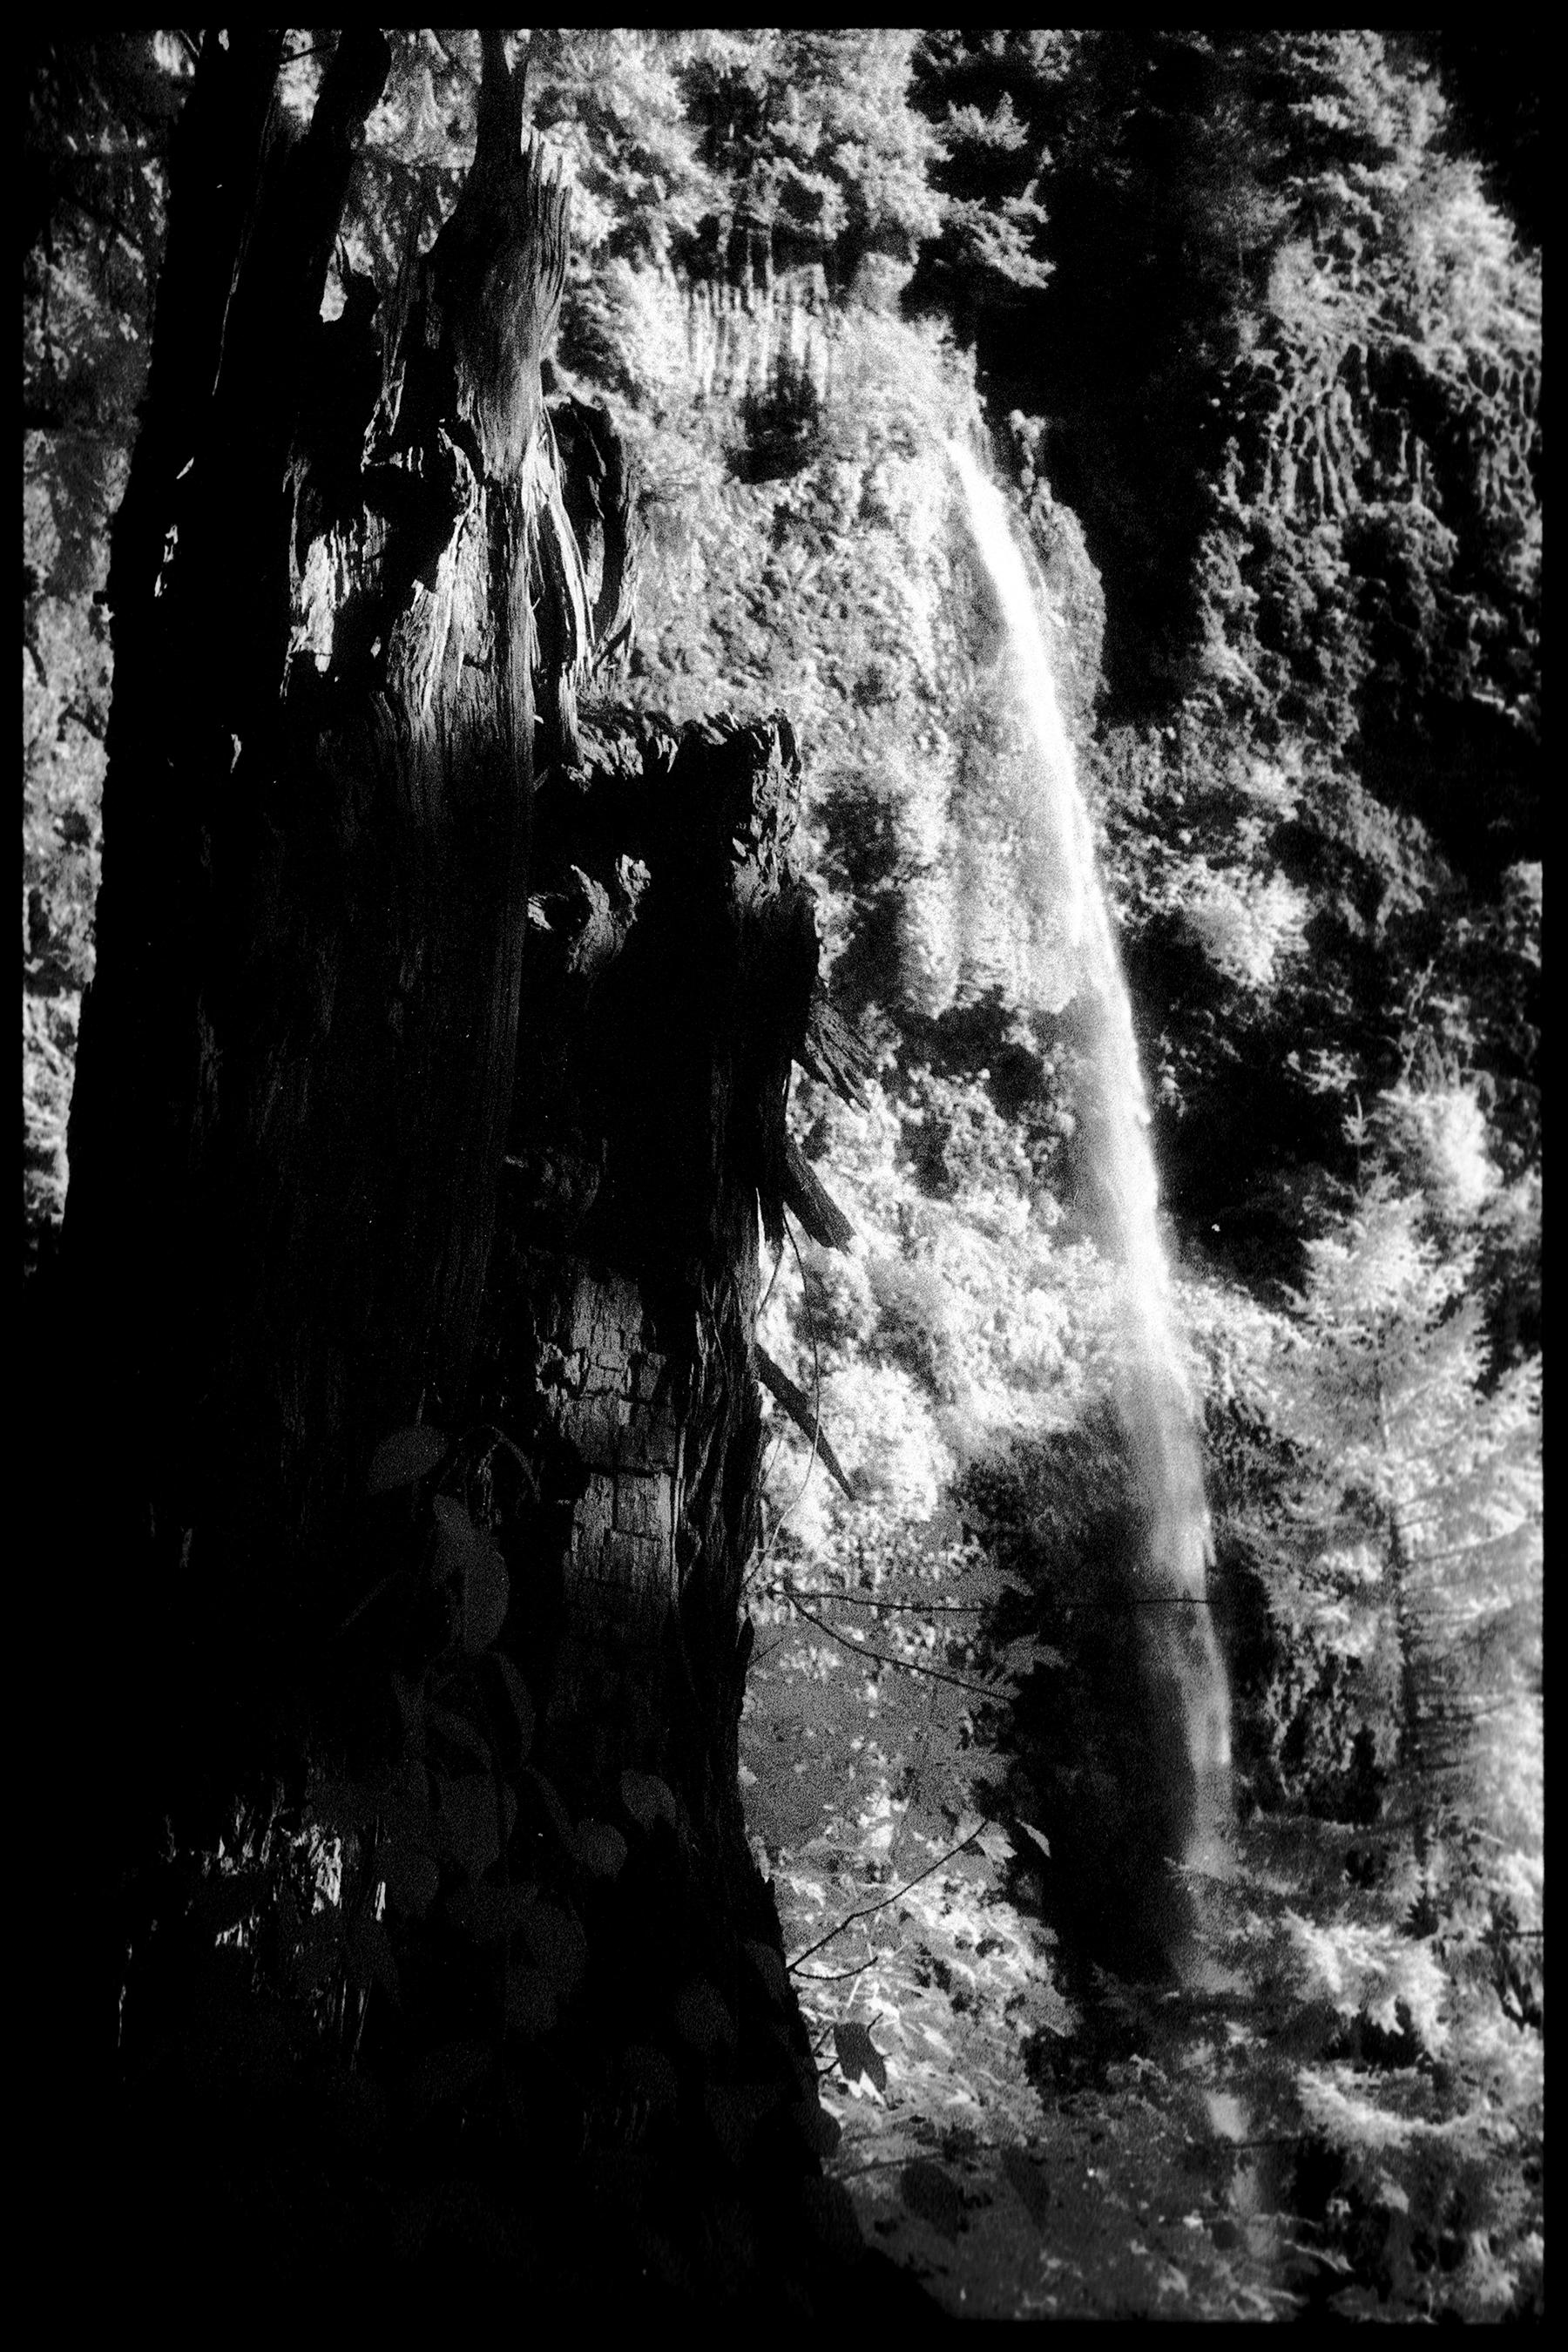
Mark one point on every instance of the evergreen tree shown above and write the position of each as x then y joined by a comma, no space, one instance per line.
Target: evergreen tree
1391,1389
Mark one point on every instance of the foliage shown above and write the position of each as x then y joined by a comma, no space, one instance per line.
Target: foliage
421,1964
1264,322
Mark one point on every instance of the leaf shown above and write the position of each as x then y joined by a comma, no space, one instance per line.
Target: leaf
367,1953
456,1538
404,1856
735,2111
931,2194
651,2073
462,1734
820,2131
996,1844
520,1704
557,1942
410,1701
407,1795
828,2211
523,1463
530,2005
407,1455
487,1597
555,1811
339,1807
859,2054
445,2074
467,1831
1039,1835
701,2018
768,1965
489,1913
412,1877
600,1848
647,1799
1027,2181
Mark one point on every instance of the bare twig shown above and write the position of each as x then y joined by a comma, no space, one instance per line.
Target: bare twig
861,1650
868,1910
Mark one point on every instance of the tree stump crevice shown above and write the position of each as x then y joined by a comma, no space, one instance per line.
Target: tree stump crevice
667,997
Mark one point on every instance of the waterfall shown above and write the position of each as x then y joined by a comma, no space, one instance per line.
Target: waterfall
1157,1404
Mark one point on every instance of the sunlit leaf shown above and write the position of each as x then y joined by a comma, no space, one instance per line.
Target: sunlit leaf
1039,1836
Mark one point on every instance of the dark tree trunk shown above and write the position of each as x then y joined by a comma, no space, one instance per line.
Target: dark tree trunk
350,613
668,997
296,1060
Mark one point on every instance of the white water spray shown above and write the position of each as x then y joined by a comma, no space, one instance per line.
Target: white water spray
1157,1400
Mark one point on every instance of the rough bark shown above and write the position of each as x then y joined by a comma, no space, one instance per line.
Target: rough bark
297,1057
351,618
670,993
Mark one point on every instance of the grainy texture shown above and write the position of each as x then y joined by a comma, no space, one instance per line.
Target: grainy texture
298,1055
666,999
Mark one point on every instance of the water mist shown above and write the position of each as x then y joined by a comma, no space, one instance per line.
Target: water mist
1167,1580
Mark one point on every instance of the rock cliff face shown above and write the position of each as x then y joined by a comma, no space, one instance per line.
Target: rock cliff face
1372,574
756,342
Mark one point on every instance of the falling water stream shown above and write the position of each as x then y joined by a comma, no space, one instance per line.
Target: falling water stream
1156,1402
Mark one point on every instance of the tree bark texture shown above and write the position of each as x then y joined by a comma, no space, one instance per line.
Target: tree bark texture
326,1183
297,1061
672,961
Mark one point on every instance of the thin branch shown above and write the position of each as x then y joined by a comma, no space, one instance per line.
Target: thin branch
915,1607
869,1910
838,1976
909,1665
